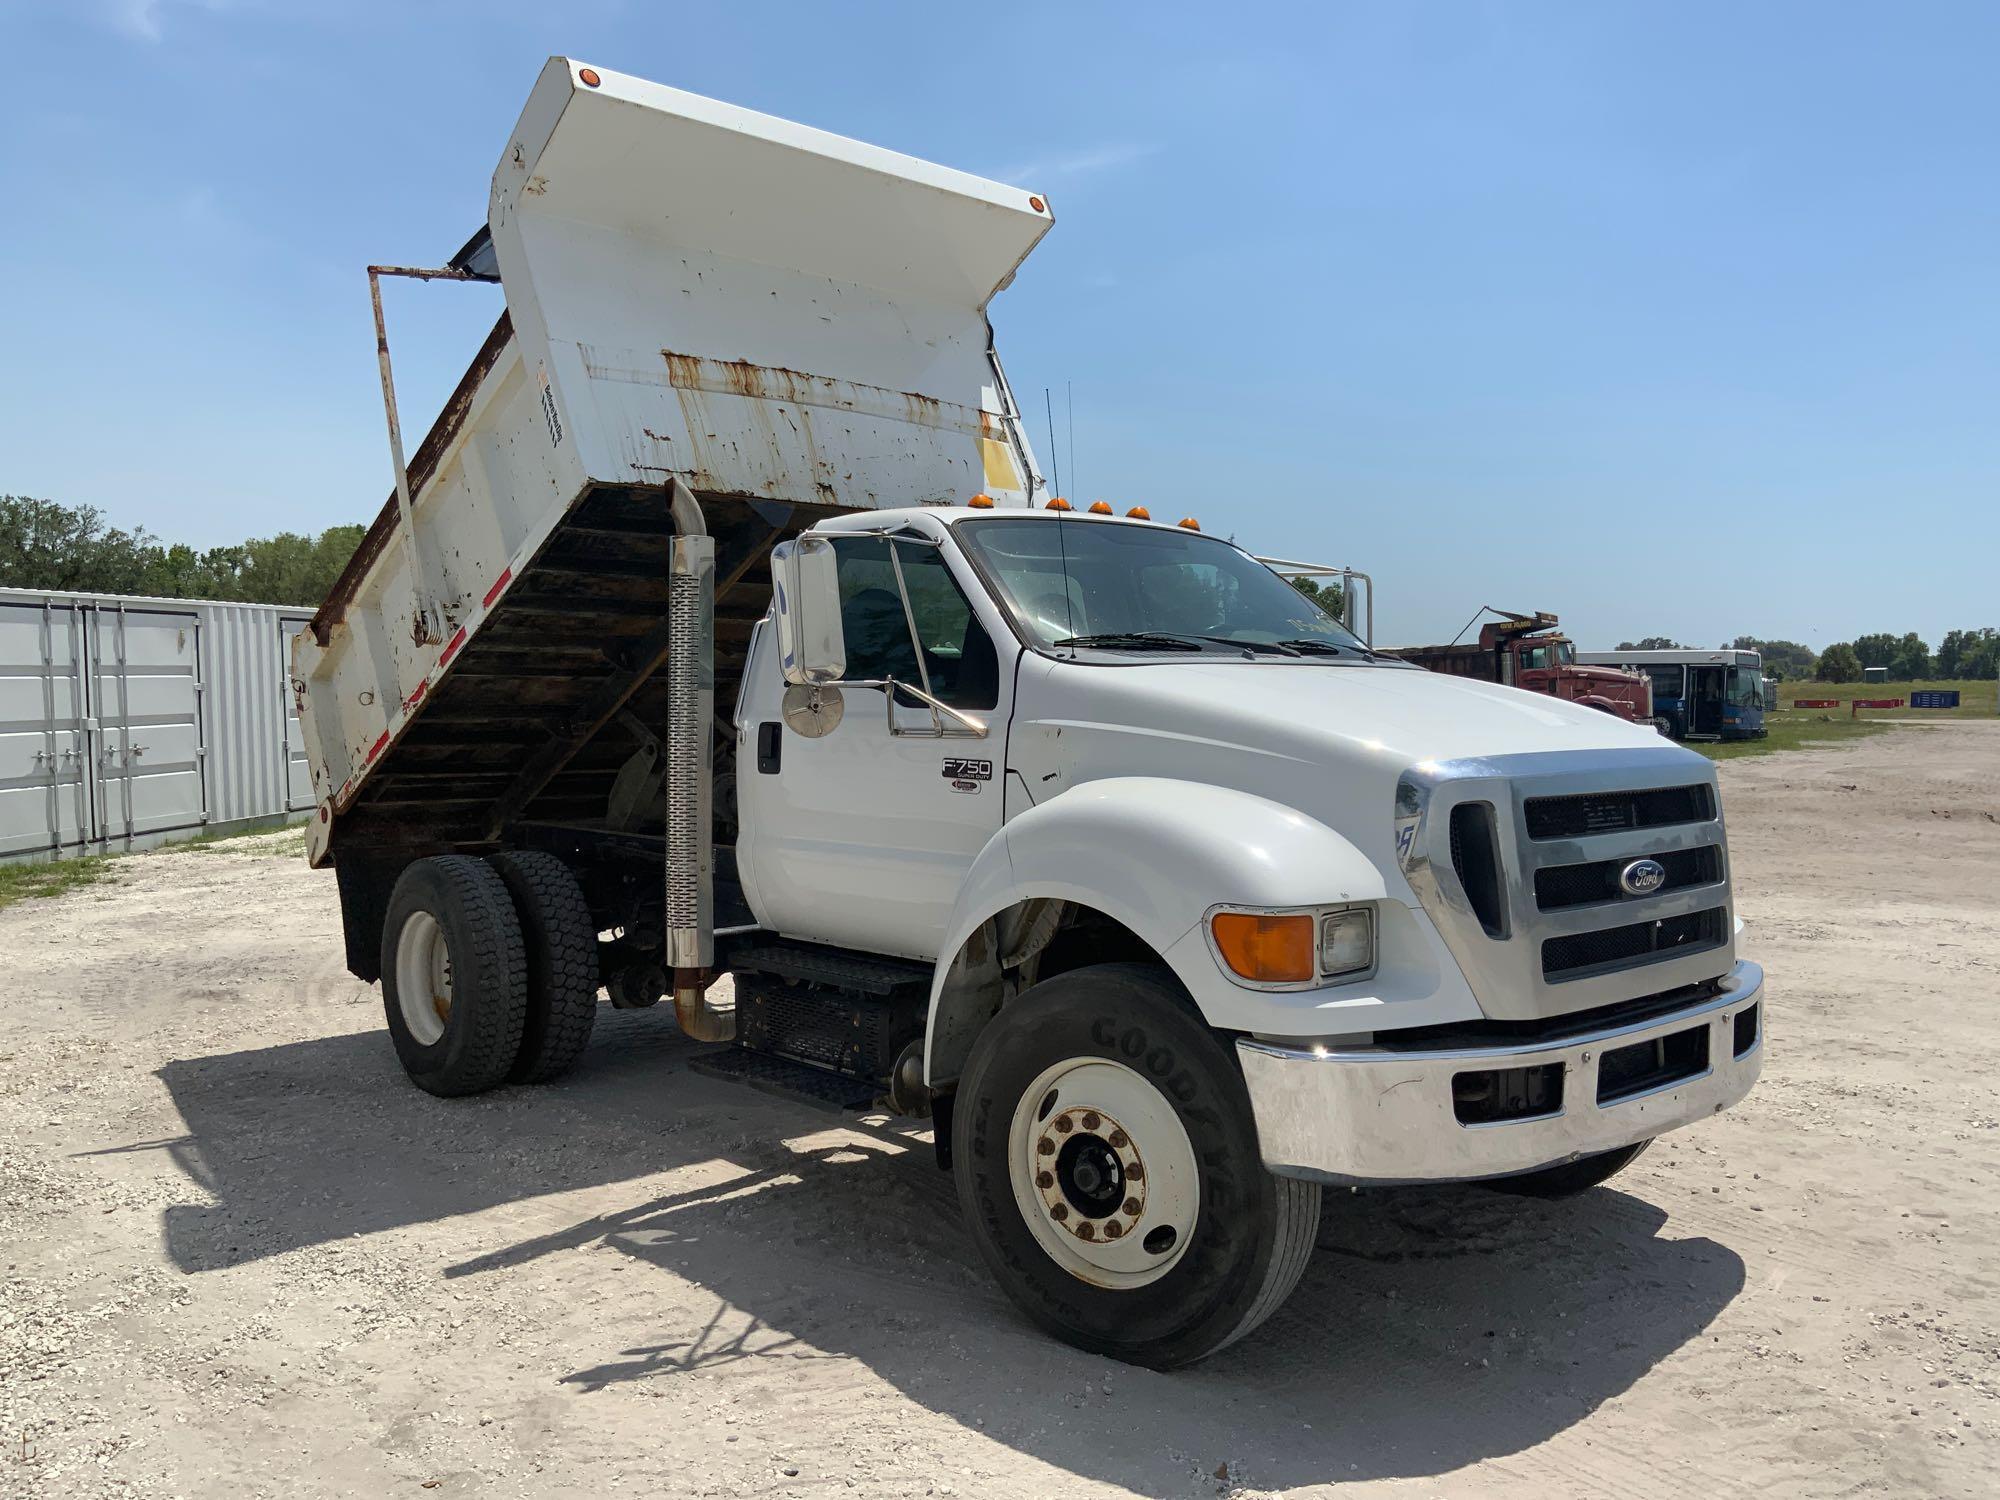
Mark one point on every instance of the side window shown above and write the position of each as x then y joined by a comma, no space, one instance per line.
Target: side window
958,655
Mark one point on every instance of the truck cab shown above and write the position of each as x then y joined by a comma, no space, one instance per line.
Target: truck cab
723,642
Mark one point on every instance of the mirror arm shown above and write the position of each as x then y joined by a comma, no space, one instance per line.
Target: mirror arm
889,687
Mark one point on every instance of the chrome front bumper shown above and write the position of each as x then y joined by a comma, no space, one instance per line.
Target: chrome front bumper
1373,1115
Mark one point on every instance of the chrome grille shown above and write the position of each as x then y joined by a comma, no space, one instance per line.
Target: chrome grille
1534,912
1614,812
1606,948
1560,886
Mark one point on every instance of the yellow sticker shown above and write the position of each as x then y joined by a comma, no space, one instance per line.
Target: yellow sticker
1001,474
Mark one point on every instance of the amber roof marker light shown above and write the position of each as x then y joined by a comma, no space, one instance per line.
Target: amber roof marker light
1038,205
1100,508
1190,523
981,502
589,77
1139,513
1058,504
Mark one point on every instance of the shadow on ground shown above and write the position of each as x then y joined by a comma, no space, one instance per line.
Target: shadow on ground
1435,1328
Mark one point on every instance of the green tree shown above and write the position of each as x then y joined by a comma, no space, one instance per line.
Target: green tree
1911,660
45,545
1838,663
1652,643
1788,659
1967,654
1322,591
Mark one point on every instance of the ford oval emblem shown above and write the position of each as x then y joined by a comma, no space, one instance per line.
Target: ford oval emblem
1642,877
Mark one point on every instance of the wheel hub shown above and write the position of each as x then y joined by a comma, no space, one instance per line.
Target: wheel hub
1105,1173
1095,1183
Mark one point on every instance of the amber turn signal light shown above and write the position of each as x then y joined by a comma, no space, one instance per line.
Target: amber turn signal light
1266,949
589,76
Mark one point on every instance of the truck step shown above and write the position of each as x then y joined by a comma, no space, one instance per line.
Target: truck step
830,966
786,1079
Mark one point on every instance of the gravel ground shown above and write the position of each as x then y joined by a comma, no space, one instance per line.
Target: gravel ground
242,1257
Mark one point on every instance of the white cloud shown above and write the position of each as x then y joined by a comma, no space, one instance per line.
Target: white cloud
1080,162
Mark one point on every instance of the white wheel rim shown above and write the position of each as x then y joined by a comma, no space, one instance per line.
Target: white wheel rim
1104,1173
423,977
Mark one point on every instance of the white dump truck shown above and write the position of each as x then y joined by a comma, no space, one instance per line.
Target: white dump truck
724,627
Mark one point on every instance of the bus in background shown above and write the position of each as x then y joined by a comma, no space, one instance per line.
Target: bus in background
1699,695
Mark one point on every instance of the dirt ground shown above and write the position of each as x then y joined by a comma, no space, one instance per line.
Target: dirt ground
241,1256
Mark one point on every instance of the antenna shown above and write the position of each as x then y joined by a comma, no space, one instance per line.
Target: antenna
1055,456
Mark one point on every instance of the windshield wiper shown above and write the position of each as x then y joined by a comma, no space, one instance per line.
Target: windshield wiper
1282,648
1134,640
1333,648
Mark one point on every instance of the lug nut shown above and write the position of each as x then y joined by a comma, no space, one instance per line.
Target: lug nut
1135,1171
1086,1231
1045,1179
1113,1230
1119,1140
1046,1146
1132,1206
1065,1124
1090,1120
1059,1212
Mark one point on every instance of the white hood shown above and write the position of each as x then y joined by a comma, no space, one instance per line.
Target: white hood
1328,739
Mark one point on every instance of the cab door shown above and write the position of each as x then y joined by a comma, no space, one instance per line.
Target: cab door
862,811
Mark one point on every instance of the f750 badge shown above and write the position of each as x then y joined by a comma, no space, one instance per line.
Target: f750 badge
967,770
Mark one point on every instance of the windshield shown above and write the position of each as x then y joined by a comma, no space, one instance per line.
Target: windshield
1746,687
1103,583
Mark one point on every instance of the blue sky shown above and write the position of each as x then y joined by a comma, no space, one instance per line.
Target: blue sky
1673,318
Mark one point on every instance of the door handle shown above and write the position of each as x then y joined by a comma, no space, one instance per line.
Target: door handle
770,747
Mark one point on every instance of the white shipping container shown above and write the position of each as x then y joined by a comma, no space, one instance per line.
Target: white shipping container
127,722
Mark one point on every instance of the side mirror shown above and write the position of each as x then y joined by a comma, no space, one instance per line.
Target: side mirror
805,602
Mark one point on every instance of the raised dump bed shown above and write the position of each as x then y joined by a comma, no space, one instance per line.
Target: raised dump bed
765,320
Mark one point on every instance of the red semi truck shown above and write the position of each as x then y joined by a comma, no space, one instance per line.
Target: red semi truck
1527,651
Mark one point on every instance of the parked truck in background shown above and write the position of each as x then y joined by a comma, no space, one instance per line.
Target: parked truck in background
723,626
1528,651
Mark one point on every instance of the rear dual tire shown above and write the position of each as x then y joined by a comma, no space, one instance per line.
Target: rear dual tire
489,971
1108,1168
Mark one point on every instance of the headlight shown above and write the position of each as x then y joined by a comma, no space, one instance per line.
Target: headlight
1293,949
1346,942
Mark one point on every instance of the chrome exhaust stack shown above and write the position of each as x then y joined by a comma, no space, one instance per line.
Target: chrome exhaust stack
690,669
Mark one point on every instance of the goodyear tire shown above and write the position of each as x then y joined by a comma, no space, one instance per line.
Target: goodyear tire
560,941
1107,1165
454,977
1572,1177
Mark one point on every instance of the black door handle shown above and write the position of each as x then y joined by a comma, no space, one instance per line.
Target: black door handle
770,747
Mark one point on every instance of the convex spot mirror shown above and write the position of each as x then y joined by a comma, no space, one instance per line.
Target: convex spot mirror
805,601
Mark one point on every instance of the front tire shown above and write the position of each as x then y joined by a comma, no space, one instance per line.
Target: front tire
454,976
1107,1164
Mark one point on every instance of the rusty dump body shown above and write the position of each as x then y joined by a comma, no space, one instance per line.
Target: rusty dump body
802,333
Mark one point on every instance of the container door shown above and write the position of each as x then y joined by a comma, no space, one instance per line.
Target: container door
44,790
298,774
147,751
